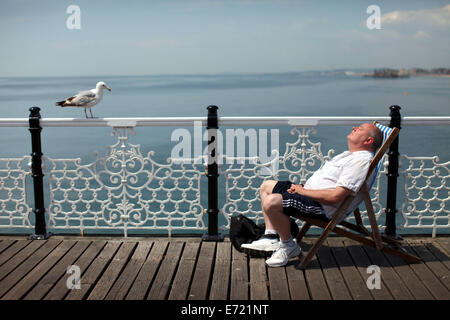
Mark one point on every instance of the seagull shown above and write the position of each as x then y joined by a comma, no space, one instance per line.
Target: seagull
85,99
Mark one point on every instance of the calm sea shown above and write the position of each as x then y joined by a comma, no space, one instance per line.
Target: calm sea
289,94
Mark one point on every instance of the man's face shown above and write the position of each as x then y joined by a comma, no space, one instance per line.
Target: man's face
360,135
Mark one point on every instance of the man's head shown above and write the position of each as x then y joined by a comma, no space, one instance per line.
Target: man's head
365,137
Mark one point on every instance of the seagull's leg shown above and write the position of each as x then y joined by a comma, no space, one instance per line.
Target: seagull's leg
90,110
85,113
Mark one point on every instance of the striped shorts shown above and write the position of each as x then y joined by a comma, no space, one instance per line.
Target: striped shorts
294,203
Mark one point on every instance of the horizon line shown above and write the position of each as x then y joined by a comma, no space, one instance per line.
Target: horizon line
215,74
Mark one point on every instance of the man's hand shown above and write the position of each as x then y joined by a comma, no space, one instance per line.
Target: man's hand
295,188
325,196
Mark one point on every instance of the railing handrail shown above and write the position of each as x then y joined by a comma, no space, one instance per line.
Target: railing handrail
223,121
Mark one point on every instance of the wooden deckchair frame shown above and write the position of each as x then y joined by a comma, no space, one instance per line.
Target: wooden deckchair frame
360,234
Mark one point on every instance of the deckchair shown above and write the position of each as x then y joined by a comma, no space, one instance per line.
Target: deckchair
358,231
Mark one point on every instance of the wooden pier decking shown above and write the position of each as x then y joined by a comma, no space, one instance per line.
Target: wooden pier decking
189,269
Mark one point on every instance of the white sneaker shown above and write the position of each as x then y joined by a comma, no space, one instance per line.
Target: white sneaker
267,243
282,255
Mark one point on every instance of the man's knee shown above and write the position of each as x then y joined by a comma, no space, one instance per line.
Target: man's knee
267,186
273,203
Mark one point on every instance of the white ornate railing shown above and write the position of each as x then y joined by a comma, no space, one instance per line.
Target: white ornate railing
297,164
126,191
426,193
14,208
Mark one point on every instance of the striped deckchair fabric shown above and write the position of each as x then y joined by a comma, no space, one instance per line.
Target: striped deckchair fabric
386,132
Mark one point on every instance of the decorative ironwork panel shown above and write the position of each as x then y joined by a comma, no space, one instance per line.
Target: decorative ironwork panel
242,183
302,157
124,191
14,209
300,160
426,193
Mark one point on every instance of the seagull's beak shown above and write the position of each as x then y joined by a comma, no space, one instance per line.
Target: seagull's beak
109,89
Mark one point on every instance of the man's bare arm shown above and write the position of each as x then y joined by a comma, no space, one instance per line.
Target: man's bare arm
326,196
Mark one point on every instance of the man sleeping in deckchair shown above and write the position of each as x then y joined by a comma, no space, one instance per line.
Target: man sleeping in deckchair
319,198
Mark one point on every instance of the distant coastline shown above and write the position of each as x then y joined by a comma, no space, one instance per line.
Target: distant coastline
349,72
406,73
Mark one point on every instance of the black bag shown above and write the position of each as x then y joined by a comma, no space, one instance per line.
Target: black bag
245,230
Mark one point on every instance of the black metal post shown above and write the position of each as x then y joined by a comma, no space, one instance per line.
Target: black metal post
213,175
392,175
37,174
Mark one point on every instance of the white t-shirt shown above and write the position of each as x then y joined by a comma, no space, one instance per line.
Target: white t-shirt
348,170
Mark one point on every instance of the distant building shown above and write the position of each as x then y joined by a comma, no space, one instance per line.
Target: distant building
390,73
404,73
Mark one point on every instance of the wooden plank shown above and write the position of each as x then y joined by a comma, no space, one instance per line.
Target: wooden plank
60,290
239,276
434,263
160,287
15,276
95,269
313,274
203,269
414,284
108,278
52,277
390,278
5,244
437,289
16,254
362,262
439,253
145,277
182,281
10,251
278,286
352,277
27,282
332,275
221,275
125,280
298,288
444,243
258,279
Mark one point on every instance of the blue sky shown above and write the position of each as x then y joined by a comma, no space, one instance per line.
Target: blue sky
219,36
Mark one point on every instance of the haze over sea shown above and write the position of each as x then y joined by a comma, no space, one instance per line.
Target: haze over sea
321,93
